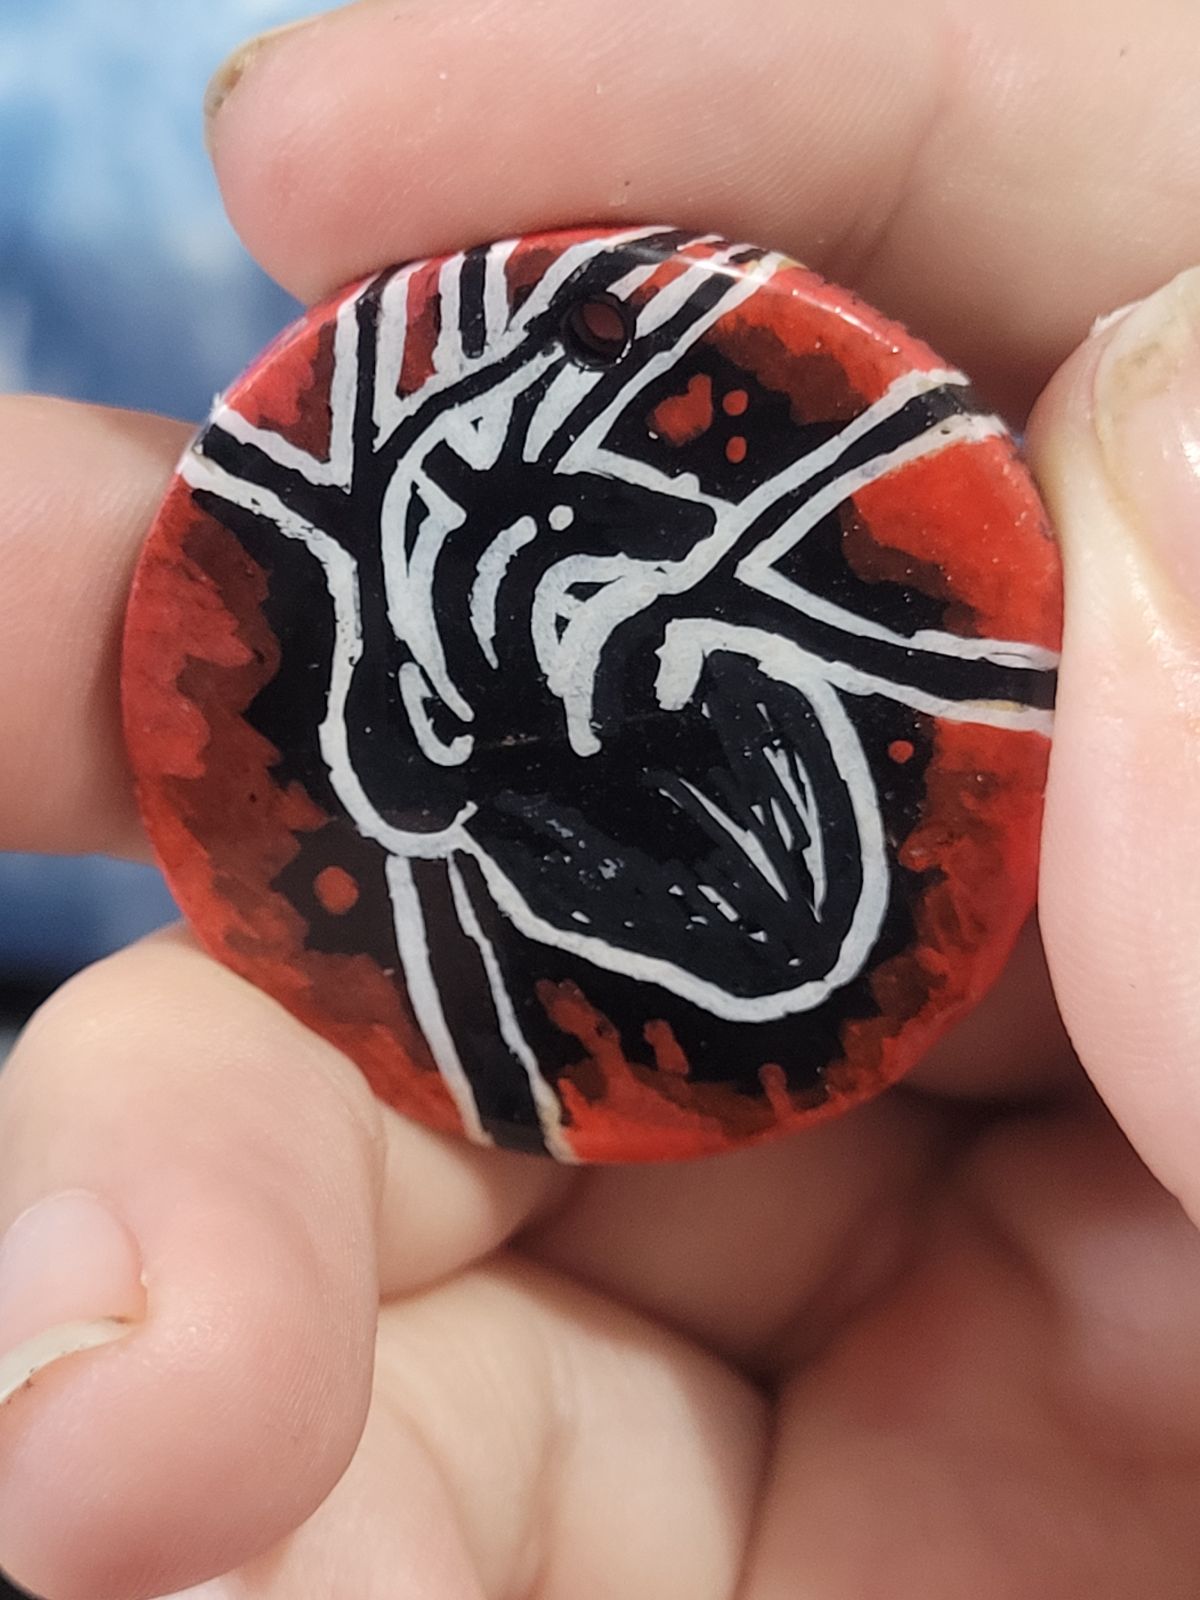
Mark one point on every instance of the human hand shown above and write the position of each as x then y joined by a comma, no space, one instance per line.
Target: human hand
942,1347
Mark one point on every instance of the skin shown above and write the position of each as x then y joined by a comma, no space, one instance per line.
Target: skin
943,1347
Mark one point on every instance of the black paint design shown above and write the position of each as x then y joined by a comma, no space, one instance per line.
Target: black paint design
632,763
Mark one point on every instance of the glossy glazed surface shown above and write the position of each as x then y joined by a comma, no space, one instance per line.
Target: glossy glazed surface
602,683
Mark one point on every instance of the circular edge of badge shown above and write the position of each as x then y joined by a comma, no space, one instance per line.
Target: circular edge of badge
615,1109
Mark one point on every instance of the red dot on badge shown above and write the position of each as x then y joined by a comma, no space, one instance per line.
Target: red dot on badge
901,750
735,450
336,891
735,402
680,418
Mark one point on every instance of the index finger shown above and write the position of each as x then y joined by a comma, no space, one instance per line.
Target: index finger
995,173
78,488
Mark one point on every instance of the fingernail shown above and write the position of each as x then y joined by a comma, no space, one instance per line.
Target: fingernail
70,1280
1147,417
234,68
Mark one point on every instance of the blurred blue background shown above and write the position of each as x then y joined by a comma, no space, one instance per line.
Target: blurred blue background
122,283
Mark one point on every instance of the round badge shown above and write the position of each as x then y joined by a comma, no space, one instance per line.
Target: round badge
602,683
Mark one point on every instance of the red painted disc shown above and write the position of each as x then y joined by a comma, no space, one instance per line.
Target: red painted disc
602,683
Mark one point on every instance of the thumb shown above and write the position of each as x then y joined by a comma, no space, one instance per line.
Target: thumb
1115,441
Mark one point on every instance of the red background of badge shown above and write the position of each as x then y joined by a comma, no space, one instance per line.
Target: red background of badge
965,525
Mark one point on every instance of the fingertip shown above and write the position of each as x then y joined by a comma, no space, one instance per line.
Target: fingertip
248,1185
272,112
195,1441
446,1203
234,68
1115,443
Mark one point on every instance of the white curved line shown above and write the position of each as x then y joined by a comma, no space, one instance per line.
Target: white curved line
478,433
868,915
416,693
341,580
489,575
408,580
908,387
571,663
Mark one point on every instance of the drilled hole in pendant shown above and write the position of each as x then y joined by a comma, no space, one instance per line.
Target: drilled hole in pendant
597,331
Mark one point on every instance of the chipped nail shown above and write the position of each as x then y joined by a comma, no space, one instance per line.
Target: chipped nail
70,1280
1147,420
235,66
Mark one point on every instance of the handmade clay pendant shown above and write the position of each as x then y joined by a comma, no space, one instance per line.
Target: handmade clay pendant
601,682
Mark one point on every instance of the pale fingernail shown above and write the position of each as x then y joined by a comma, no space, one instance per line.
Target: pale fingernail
234,68
70,1281
1147,417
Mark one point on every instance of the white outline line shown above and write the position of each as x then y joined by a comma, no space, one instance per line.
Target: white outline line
496,310
489,575
416,693
546,1102
391,346
796,669
785,762
449,359
338,470
757,568
412,941
341,579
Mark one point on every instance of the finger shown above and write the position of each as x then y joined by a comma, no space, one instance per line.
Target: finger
1025,158
78,487
89,480
201,1140
240,1166
762,1255
447,1203
1024,1402
528,1438
1013,1046
832,1211
1117,444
